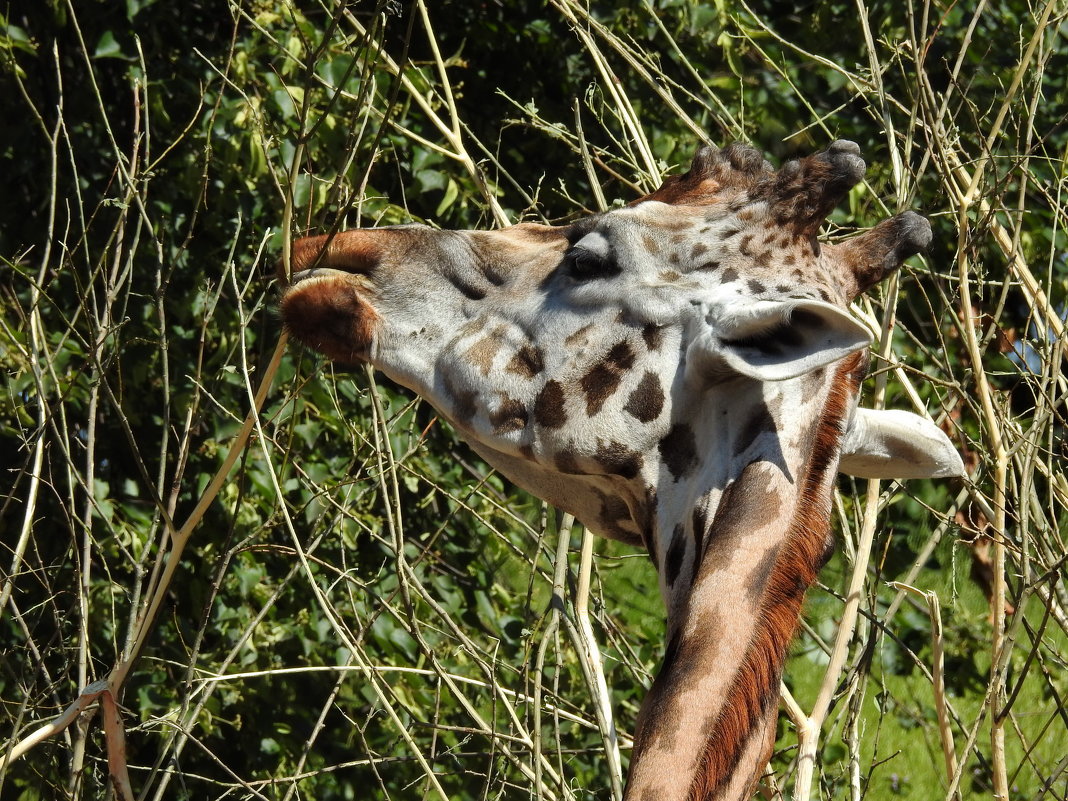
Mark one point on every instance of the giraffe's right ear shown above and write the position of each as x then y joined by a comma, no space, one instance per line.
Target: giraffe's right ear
772,340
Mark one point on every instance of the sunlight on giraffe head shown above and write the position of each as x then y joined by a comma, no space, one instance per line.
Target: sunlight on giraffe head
682,374
597,363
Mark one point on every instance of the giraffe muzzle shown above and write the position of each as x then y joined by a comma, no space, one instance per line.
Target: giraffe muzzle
328,310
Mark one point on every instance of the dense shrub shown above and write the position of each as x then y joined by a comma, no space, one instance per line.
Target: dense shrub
363,608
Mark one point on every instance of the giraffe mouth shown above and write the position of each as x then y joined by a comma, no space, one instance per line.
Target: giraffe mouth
328,311
313,272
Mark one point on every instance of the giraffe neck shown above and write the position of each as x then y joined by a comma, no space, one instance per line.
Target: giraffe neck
707,726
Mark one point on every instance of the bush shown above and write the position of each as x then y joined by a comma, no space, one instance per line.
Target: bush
334,598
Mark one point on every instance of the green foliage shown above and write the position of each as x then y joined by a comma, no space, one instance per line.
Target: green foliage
365,610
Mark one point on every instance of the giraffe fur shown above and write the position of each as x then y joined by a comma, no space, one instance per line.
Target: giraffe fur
681,374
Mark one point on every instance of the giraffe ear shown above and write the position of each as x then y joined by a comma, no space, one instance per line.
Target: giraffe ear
888,443
773,340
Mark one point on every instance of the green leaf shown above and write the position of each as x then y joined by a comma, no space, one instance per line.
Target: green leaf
452,191
108,47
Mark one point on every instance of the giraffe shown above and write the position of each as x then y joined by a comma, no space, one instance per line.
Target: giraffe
681,374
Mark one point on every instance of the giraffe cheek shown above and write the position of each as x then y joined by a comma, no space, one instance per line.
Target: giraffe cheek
329,315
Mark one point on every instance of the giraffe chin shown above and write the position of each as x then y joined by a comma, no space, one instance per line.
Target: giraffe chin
328,313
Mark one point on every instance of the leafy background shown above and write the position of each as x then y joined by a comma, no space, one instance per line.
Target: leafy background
355,606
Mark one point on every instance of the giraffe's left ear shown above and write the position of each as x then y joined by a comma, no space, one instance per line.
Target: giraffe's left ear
889,443
772,340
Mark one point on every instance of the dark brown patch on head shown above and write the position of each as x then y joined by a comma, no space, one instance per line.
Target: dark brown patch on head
678,450
653,335
744,245
650,244
755,287
511,415
646,402
708,266
730,274
601,382
618,459
526,362
669,276
462,282
482,353
698,250
549,406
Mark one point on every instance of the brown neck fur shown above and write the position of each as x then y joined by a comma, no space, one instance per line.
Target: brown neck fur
748,709
756,687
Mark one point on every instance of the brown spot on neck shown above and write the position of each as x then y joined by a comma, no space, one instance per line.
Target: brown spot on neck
678,450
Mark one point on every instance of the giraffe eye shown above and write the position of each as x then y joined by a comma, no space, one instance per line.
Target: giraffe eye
591,258
584,265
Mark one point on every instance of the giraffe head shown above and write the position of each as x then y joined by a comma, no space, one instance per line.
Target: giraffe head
681,373
641,350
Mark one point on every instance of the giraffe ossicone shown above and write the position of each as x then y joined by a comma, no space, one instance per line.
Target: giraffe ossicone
681,374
